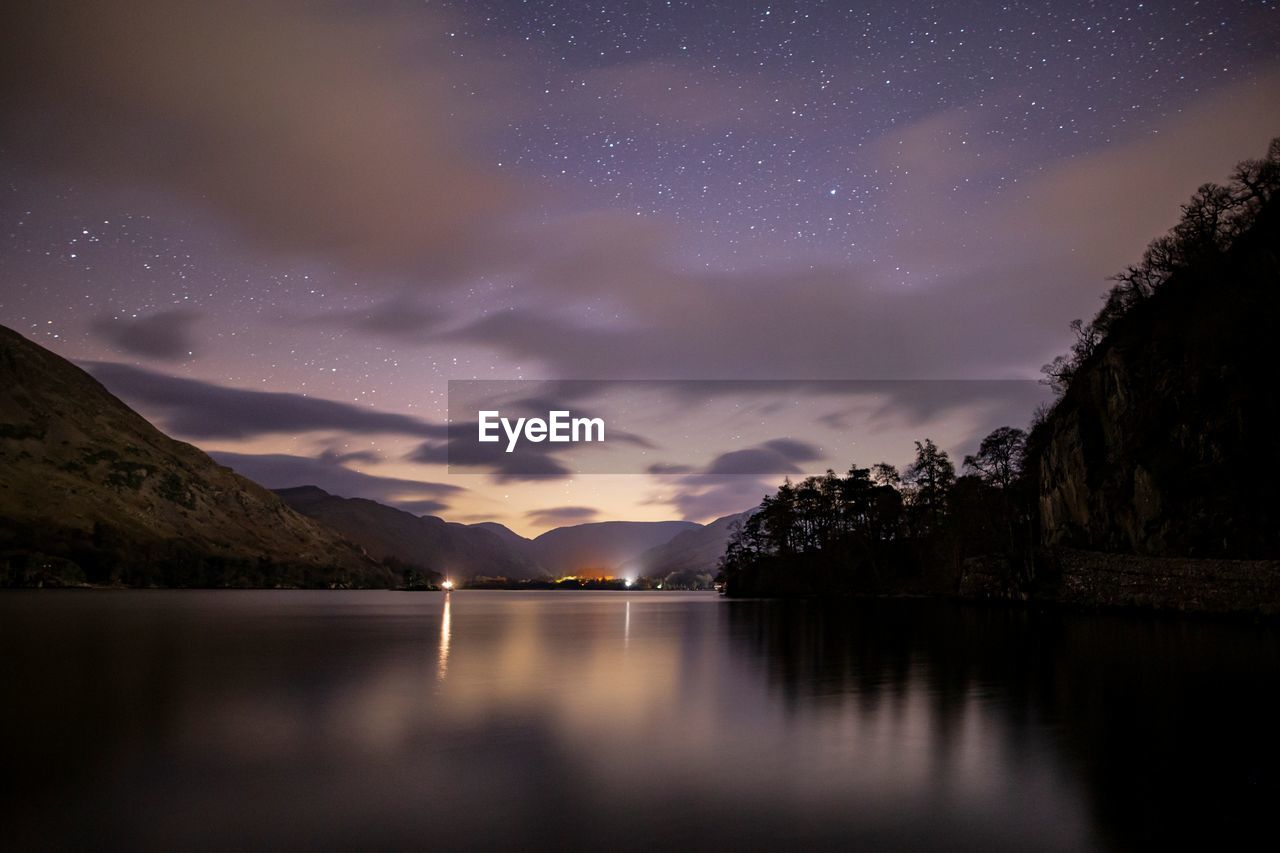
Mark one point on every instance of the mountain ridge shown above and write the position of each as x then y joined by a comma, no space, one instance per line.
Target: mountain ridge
490,549
689,557
90,491
602,546
452,549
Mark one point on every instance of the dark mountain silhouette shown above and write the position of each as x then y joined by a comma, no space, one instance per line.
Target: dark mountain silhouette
689,557
459,551
89,490
487,549
506,533
603,546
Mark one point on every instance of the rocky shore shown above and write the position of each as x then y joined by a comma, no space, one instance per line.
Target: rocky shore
1112,580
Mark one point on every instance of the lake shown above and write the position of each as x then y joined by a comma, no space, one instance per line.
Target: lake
206,720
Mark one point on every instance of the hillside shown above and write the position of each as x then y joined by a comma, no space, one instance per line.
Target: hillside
689,557
459,551
489,549
89,490
502,531
603,546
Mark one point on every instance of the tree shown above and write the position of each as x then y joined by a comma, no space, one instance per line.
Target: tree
930,477
885,474
1211,220
1259,180
999,458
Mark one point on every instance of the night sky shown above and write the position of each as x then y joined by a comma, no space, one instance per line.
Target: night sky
345,205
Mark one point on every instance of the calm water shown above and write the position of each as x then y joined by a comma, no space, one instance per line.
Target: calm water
209,720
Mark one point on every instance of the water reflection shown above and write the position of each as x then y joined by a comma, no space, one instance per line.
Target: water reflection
1162,725
442,667
210,720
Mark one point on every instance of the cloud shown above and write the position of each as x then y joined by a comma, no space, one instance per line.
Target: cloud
561,515
194,409
529,461
402,319
310,127
663,468
343,457
165,335
800,324
349,132
709,501
1114,200
778,456
733,481
1037,253
282,471
997,273
355,134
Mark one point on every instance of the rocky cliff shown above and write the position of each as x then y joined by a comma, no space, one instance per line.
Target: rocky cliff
90,491
1164,443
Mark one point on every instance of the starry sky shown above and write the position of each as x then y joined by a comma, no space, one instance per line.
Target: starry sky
279,229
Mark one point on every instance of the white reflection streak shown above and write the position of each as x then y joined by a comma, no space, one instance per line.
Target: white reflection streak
442,666
626,627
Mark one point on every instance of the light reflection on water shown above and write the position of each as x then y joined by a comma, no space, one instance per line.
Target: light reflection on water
443,669
202,720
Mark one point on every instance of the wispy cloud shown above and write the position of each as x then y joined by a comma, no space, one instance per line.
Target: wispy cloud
194,409
164,335
561,515
282,471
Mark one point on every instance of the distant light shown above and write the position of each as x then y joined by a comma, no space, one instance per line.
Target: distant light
448,585
628,582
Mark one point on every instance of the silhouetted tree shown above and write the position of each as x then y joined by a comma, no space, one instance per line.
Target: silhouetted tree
886,475
999,457
929,480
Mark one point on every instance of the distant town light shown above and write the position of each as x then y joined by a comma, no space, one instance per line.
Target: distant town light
447,585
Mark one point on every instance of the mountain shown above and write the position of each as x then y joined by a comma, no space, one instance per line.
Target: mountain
490,549
689,555
603,546
89,490
459,551
504,532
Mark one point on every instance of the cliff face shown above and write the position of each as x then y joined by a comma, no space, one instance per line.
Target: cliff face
89,490
1165,441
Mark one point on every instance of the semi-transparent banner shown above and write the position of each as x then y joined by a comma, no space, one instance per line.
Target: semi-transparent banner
531,428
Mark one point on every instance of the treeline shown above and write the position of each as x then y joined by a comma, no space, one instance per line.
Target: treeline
880,530
1212,220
